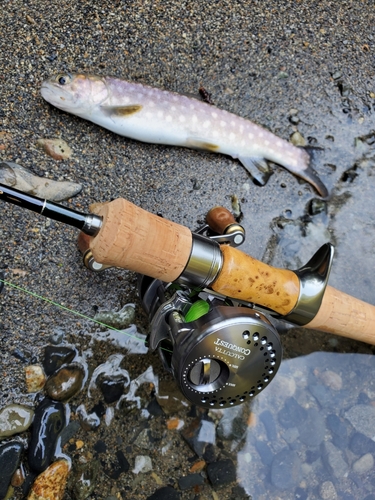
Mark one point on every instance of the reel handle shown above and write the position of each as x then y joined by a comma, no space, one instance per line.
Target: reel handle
219,219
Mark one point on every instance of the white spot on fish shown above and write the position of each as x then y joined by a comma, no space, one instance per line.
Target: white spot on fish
175,98
232,136
206,124
173,108
250,135
215,133
148,114
160,114
260,134
223,123
232,123
214,115
182,118
279,144
192,106
194,119
267,142
168,118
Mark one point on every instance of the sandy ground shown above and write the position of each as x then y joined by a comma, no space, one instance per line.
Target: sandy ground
266,61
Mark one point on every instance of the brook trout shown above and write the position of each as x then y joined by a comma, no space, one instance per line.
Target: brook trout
157,116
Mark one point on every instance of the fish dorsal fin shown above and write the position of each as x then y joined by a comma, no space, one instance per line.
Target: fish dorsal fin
258,168
122,111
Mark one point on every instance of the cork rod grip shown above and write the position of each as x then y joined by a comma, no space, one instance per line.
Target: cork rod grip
139,241
245,278
346,316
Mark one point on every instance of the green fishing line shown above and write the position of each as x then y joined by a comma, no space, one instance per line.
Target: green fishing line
67,309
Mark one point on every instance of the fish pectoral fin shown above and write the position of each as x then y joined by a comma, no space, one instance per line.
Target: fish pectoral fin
195,143
258,168
121,111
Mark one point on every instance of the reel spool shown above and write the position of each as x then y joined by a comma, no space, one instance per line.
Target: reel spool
220,353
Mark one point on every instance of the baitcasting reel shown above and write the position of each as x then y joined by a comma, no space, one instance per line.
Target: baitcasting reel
220,351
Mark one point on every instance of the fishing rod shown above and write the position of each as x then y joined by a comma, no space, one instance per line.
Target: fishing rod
210,305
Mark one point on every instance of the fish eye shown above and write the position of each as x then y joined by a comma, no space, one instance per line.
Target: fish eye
64,79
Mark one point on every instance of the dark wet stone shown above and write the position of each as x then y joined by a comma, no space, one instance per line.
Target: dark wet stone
154,408
55,357
10,454
85,478
363,399
193,432
23,355
100,447
286,469
312,455
360,444
291,414
165,493
117,467
49,421
209,454
265,452
312,428
221,472
70,431
268,421
339,431
322,394
112,388
99,409
188,482
66,382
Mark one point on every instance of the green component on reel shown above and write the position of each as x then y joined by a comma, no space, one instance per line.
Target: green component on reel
197,310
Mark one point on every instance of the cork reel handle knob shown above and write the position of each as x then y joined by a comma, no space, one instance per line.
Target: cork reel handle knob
219,219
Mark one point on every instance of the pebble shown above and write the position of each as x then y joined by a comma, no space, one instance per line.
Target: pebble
190,481
165,493
312,428
291,414
15,419
328,491
66,382
297,139
55,148
85,479
199,434
35,378
331,379
55,357
286,470
112,388
362,418
360,444
10,454
221,472
339,431
265,452
334,458
50,484
14,175
364,464
117,319
142,464
49,421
